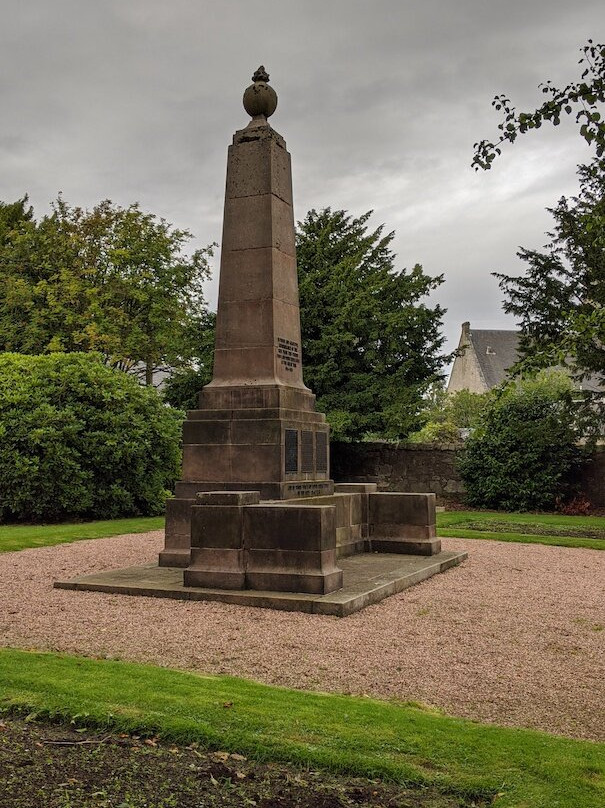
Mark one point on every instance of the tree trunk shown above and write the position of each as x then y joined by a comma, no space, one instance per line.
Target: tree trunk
149,373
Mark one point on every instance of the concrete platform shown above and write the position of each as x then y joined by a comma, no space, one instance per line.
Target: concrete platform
368,578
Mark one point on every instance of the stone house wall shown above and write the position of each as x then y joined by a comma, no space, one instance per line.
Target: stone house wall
422,468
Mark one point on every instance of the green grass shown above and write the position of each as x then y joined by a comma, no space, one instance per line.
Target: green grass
529,528
360,736
22,537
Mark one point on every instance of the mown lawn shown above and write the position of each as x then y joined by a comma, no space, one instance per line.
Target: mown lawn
529,528
22,537
360,736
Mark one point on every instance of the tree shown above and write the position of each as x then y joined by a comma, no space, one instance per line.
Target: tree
181,389
371,344
582,97
560,299
81,440
524,454
447,414
113,280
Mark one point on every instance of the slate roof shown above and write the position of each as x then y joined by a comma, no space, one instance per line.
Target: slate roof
496,351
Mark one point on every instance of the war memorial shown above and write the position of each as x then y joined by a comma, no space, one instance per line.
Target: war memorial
256,519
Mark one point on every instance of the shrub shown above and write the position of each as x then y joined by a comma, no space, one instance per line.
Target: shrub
436,432
81,440
524,453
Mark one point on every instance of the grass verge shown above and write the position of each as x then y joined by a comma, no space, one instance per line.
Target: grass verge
358,736
23,537
528,528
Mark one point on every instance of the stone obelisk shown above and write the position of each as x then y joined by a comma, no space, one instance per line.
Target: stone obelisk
256,428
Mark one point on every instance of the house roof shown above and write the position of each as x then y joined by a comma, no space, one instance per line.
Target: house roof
496,351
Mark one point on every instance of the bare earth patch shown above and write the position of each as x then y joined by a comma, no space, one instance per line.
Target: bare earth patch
514,636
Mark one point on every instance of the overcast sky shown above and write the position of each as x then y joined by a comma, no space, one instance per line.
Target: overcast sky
380,103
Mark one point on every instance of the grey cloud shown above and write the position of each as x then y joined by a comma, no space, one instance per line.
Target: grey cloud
379,102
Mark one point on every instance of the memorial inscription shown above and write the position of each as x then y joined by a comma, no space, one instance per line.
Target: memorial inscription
306,450
291,446
289,353
321,451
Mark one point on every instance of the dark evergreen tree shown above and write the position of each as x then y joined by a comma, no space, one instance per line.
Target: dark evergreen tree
371,343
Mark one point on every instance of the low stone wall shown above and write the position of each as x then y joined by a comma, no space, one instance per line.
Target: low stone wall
428,468
416,468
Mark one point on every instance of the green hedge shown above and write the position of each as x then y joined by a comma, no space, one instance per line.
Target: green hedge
80,440
525,455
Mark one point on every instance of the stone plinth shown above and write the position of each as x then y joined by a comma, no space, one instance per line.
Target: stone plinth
403,523
239,543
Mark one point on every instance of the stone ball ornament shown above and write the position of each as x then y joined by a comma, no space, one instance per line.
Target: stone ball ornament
260,100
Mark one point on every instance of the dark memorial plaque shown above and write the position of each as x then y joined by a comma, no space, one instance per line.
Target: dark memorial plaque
321,451
291,451
306,450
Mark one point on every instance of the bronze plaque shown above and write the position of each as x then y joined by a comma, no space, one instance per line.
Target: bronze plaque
306,451
291,451
321,451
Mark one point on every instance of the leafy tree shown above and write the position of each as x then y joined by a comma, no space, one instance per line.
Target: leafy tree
437,432
113,280
560,299
582,97
81,440
181,389
371,344
524,453
446,414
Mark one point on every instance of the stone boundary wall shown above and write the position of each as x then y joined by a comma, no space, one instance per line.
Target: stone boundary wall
420,468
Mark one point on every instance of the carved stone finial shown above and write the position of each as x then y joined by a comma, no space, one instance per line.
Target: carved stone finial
261,74
260,100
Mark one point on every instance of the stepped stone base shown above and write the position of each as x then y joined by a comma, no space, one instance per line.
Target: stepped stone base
236,541
367,578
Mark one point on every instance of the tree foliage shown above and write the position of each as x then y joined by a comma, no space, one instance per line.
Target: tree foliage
81,440
371,343
446,414
581,97
182,387
524,453
560,299
113,280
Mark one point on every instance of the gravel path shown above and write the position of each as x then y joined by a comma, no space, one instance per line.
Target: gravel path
515,636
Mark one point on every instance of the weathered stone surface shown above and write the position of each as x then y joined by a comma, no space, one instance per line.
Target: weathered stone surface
368,578
398,519
227,498
297,527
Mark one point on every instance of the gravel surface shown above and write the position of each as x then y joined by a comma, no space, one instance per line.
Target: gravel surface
514,636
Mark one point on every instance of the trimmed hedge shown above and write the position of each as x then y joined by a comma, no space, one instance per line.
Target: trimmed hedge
81,440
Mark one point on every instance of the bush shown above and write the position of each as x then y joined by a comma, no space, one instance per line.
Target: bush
524,453
436,432
81,440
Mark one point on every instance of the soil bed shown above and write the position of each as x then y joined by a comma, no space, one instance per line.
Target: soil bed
56,766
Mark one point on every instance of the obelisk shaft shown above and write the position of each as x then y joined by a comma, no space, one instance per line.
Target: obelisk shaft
258,319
